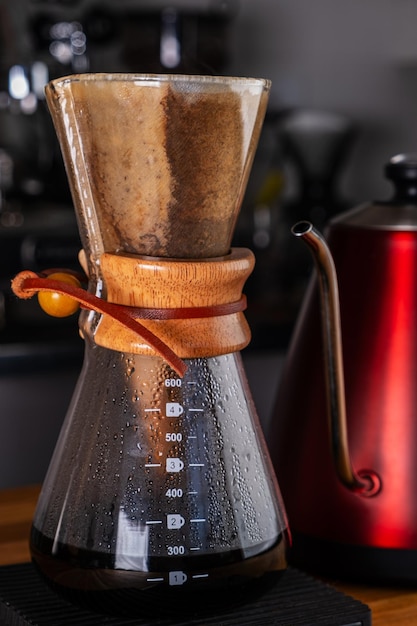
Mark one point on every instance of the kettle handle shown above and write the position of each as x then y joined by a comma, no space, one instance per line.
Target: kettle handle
363,482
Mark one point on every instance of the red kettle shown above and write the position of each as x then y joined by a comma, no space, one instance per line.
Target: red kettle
343,436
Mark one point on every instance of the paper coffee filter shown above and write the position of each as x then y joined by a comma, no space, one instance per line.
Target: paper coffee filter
157,165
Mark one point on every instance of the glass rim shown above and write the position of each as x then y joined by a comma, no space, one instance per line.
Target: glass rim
162,78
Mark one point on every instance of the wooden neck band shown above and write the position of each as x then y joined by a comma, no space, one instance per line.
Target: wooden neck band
187,308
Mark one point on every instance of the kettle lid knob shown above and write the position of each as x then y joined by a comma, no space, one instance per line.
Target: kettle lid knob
402,171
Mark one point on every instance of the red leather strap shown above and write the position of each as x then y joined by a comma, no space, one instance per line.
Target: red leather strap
27,283
186,313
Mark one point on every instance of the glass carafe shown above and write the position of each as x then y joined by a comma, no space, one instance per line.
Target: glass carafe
160,486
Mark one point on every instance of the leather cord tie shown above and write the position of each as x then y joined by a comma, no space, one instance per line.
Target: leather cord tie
27,283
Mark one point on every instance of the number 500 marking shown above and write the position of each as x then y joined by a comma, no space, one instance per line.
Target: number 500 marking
173,436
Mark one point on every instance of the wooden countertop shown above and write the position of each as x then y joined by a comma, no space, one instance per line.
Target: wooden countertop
390,607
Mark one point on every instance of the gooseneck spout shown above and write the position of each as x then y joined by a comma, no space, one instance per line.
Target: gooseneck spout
363,482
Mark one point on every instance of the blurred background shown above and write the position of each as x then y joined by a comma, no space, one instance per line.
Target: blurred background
343,101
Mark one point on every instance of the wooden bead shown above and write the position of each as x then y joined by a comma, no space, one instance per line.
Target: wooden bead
56,304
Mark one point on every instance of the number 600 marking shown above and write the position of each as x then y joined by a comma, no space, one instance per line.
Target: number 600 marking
173,382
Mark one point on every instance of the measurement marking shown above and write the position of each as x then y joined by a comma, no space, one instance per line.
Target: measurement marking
200,576
191,382
154,580
154,521
150,410
192,436
192,493
203,519
152,464
196,465
195,548
196,410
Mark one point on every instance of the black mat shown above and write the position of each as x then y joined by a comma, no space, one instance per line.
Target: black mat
297,600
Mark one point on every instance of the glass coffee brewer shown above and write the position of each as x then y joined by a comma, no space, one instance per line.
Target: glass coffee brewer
160,486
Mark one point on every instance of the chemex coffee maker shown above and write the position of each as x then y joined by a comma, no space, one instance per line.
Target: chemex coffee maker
160,495
344,431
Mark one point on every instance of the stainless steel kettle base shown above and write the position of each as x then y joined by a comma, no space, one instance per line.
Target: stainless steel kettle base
296,600
348,562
